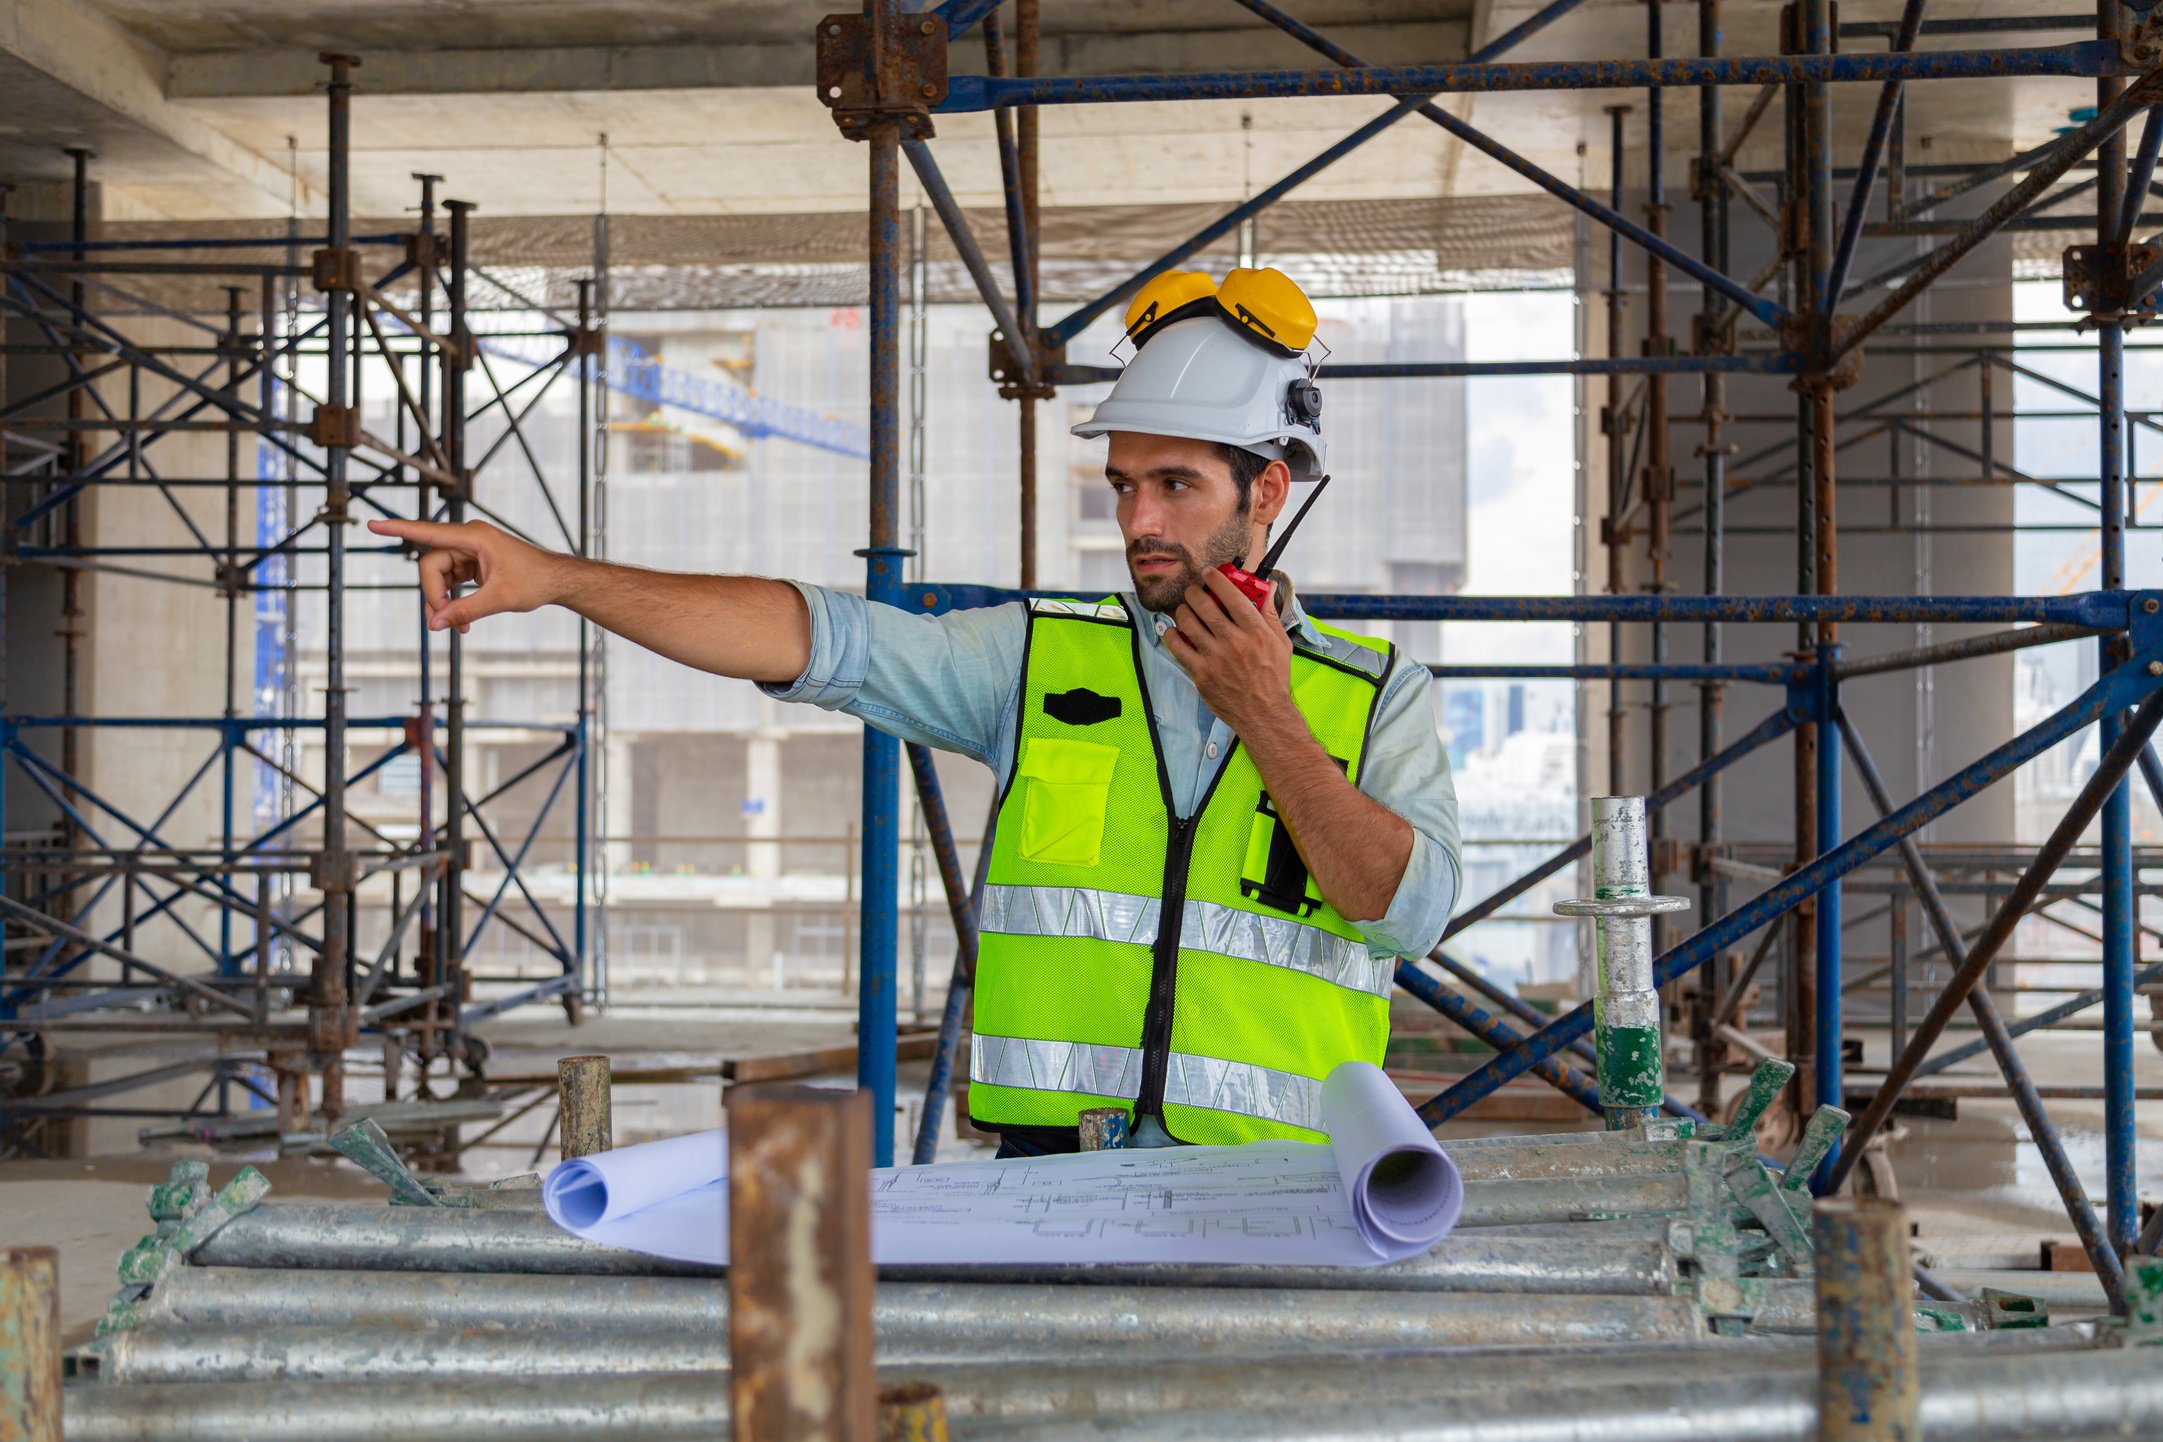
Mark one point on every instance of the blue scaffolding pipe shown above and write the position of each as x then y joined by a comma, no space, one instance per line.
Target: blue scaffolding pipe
1778,724
1497,1033
1616,223
273,242
2114,690
1058,335
1018,241
241,725
1765,310
2144,160
1866,174
1765,673
2081,59
956,222
961,16
2101,610
1073,325
1755,363
1829,1071
876,1015
2043,1020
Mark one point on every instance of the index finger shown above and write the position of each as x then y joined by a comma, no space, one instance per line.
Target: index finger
426,533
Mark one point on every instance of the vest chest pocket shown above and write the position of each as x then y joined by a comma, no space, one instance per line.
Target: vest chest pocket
1066,789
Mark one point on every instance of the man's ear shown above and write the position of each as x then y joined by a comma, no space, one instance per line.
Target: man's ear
1272,488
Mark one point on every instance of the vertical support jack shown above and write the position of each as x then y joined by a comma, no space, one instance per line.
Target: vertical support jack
1626,1006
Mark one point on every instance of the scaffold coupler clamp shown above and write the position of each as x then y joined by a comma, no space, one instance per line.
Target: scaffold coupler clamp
1626,1001
882,64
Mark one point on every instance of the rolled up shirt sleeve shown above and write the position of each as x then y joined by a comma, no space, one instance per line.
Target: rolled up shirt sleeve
1407,769
944,681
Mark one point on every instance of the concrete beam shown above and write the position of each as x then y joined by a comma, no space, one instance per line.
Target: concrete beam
123,78
255,73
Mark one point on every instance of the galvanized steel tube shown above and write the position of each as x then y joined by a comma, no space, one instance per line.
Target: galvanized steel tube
1487,1260
1523,1159
318,1235
1997,1397
930,1321
156,1356
159,1356
1626,1009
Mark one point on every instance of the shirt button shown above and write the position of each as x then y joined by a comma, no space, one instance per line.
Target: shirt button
1212,748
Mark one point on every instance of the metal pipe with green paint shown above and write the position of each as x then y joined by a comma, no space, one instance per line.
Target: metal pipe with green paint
1626,1005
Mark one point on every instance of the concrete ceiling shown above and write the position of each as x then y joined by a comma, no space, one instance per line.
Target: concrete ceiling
708,107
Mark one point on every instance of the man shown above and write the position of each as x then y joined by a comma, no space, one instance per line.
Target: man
1219,825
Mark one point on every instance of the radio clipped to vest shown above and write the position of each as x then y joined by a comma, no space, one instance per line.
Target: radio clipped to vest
1274,873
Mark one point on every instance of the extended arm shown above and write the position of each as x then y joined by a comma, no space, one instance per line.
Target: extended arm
1355,847
740,626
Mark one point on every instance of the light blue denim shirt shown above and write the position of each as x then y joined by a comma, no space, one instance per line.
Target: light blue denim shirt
953,682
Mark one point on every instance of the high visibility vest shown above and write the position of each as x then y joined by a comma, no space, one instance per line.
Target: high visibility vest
1185,967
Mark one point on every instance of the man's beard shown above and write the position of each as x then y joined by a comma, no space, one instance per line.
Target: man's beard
1166,593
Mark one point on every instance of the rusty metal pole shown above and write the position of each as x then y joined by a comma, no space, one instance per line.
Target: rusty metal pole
1801,989
800,1276
1026,29
1818,387
72,629
333,1022
30,1344
1869,1380
585,1111
1659,476
457,363
1710,1047
1615,530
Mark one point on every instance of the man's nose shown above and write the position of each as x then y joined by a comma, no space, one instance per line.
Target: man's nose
1142,518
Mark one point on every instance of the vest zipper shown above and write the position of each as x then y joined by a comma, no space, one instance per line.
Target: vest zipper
1164,968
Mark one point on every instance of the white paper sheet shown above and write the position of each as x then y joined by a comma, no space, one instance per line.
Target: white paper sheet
1380,1190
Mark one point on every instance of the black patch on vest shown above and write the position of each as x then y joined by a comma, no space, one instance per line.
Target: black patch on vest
1081,707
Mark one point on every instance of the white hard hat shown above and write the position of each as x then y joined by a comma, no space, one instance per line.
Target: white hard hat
1203,376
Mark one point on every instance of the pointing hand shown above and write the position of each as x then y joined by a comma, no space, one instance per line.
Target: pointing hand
513,575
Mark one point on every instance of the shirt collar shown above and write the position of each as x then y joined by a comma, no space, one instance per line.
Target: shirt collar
1295,617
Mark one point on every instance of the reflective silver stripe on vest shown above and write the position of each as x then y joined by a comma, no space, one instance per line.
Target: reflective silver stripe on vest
1348,653
1087,610
1055,1066
1074,911
1116,1071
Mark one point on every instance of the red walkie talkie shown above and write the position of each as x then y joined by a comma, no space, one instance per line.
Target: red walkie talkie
1254,585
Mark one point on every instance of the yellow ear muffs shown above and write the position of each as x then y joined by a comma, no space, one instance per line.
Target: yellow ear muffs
1174,295
1270,307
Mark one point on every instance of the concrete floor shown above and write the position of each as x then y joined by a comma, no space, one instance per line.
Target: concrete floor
1976,1185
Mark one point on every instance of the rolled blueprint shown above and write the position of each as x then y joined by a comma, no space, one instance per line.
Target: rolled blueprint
1405,1193
605,1187
1379,1190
